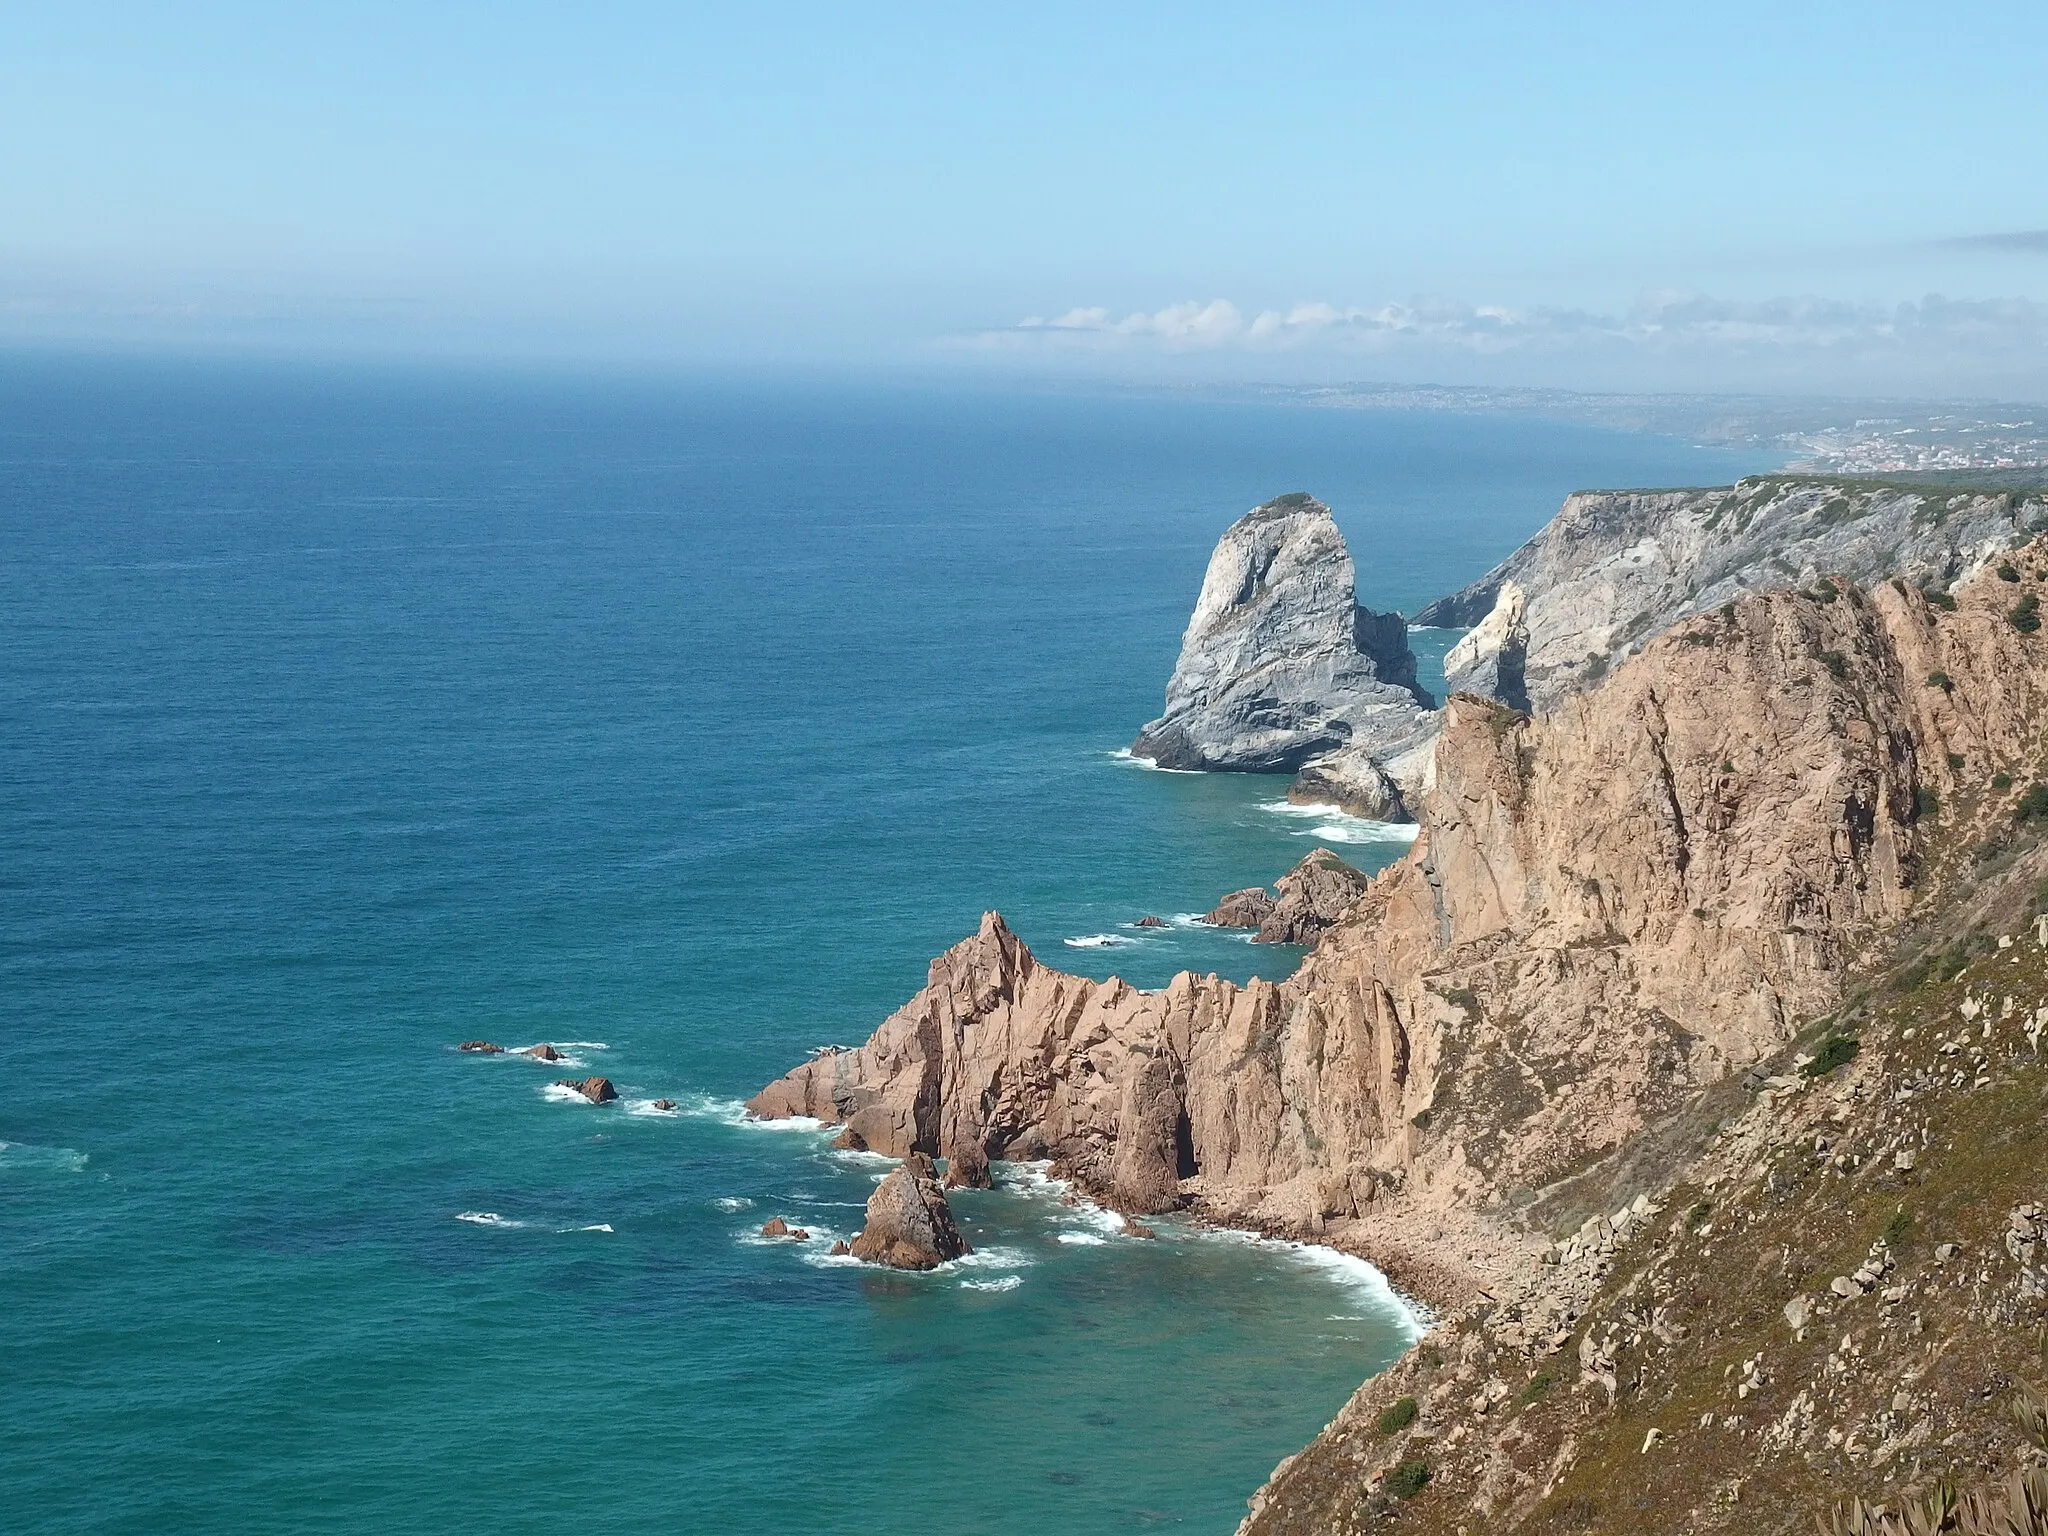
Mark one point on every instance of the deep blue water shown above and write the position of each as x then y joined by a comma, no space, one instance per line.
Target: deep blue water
344,716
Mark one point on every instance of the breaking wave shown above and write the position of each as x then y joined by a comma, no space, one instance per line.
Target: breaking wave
17,1154
1098,941
1123,755
1335,826
487,1219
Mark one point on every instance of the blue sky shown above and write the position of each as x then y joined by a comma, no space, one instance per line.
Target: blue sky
1579,195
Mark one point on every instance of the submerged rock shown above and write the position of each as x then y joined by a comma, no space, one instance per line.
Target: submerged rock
1134,1228
909,1224
598,1090
481,1047
1279,664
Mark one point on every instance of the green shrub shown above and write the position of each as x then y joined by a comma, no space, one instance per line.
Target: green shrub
2001,781
1699,637
1896,1229
1835,1051
1926,802
1398,1416
1728,614
2006,572
2026,614
1835,662
2033,805
1698,1214
1939,599
1942,681
1538,1385
1955,760
1408,1479
1596,667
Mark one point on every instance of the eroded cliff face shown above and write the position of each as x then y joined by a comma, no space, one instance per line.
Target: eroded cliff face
1279,664
1615,568
1607,909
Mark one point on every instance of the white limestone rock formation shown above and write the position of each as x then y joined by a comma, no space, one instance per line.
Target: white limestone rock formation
1279,664
1492,658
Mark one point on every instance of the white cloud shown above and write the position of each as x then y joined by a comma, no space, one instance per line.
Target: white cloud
1661,320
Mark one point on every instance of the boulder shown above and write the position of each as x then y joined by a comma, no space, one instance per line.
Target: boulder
1149,921
1354,781
481,1047
1247,908
542,1053
967,1168
1137,1229
839,1249
849,1140
1279,664
598,1090
665,1104
909,1225
775,1226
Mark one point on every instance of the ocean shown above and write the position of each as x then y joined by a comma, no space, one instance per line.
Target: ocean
347,714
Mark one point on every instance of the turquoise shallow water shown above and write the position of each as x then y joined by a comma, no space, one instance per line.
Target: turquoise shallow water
347,716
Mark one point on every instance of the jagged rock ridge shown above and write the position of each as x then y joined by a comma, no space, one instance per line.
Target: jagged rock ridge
1614,568
1279,664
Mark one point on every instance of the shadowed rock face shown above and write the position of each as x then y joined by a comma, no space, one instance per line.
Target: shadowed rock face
909,1225
1615,568
1606,909
1279,664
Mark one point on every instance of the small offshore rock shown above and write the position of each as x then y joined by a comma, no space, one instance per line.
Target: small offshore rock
1137,1229
542,1053
598,1090
664,1104
839,1249
909,1224
481,1047
799,1235
775,1226
967,1168
1149,921
1247,908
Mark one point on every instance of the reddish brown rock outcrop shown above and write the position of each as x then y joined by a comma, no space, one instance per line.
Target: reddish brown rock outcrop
481,1047
1312,897
1247,908
1606,909
598,1090
542,1053
967,1168
909,1225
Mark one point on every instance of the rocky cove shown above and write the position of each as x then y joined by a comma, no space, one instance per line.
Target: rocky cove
1504,1055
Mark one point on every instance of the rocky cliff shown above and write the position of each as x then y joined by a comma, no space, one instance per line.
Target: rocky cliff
1614,568
1279,664
1615,917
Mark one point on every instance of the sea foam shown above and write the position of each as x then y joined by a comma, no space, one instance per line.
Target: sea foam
1335,826
487,1219
18,1154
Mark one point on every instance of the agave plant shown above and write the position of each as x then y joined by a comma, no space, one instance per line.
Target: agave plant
2018,1506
